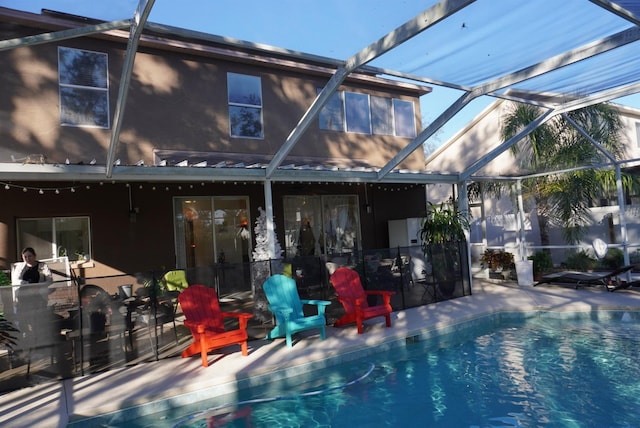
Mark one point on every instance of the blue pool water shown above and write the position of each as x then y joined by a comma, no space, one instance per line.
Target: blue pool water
504,371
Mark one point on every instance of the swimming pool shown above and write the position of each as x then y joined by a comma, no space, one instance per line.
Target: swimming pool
505,370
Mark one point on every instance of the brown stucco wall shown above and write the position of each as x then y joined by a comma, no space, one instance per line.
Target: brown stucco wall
120,246
176,101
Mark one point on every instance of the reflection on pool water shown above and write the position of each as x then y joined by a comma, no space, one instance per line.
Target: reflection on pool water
507,370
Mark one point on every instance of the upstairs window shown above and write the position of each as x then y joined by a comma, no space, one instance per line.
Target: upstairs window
382,115
84,88
361,113
357,112
245,106
332,114
404,119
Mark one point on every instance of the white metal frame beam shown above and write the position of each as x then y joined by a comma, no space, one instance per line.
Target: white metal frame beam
562,60
615,8
396,37
139,19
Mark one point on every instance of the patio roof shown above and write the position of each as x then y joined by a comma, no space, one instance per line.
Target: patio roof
560,56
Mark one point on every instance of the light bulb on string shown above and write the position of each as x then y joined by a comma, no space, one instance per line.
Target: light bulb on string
73,190
6,187
24,189
41,191
57,191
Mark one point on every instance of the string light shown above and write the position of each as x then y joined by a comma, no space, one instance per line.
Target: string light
40,190
57,190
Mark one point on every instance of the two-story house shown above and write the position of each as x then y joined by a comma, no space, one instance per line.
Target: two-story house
159,158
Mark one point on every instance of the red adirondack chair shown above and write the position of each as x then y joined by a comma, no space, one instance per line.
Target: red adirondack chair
204,318
354,299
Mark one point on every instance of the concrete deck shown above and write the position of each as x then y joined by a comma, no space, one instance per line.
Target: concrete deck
74,400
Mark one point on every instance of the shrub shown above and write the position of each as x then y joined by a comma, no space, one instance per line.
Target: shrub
581,261
541,262
613,259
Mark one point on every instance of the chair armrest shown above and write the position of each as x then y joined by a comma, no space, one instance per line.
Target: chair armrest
386,295
320,305
243,318
379,292
281,309
315,302
239,315
357,302
195,326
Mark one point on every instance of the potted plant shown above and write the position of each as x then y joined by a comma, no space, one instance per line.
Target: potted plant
541,263
501,262
442,235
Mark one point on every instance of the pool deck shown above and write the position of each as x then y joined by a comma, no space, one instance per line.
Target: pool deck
184,380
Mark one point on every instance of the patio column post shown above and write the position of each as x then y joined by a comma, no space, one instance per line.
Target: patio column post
623,217
521,229
268,209
463,206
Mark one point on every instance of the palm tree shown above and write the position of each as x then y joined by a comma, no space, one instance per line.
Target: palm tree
563,199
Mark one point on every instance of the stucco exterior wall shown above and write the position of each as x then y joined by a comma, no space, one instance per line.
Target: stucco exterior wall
176,101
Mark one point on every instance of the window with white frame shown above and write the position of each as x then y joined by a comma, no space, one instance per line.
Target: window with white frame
56,237
356,112
382,115
404,118
332,114
361,113
245,105
84,88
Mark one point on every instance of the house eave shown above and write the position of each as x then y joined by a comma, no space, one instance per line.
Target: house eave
16,172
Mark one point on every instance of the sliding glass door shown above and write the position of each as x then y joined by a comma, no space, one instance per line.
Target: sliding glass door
211,230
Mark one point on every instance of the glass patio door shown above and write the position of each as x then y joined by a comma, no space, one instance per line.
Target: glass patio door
328,224
211,230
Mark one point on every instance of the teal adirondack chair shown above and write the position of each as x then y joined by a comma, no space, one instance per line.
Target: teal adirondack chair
286,305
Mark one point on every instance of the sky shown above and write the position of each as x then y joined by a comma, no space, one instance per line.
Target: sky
309,26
